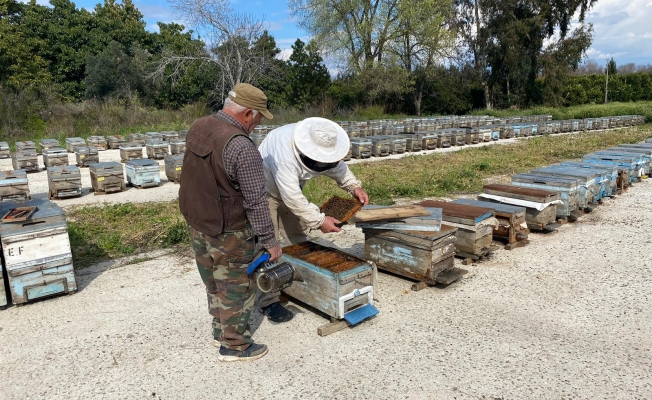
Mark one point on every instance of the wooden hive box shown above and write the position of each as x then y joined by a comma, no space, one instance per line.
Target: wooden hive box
567,187
114,141
379,145
417,255
167,136
178,146
98,142
182,134
107,177
130,151
397,144
139,138
49,144
361,148
589,188
173,167
54,157
37,254
14,185
645,153
86,156
475,227
26,160
472,136
143,173
156,149
329,275
64,182
458,136
73,143
542,213
153,136
609,172
412,141
5,152
511,220
634,167
26,145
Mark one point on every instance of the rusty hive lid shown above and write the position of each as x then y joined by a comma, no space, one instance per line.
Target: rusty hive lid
459,210
322,257
522,190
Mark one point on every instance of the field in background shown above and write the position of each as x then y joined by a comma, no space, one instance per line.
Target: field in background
102,232
583,111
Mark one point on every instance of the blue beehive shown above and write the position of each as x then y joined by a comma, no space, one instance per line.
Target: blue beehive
589,179
609,171
572,195
143,173
635,166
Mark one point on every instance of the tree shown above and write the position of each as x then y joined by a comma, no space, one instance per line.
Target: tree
612,68
308,77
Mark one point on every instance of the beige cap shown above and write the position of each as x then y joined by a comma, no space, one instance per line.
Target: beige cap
250,97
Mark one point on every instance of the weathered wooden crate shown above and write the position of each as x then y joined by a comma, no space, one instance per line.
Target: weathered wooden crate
566,126
167,136
615,122
640,160
107,177
153,136
85,156
624,170
472,136
14,185
412,141
114,141
329,277
143,173
130,151
458,137
183,133
26,160
73,143
506,131
589,124
511,221
607,171
64,182
26,145
5,152
98,142
540,207
494,131
568,188
443,140
589,181
156,149
379,145
484,134
352,131
173,166
178,146
37,253
137,137
578,125
422,256
47,144
475,227
397,144
645,153
361,148
53,157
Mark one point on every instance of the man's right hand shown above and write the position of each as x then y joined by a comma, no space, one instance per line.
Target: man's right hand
330,225
275,252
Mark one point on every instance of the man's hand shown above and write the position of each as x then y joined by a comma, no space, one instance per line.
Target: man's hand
275,252
361,195
330,225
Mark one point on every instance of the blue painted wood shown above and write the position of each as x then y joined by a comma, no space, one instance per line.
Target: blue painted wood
591,180
500,207
646,154
568,188
143,172
635,168
609,171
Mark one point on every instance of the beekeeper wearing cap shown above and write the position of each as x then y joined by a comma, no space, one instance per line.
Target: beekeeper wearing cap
292,155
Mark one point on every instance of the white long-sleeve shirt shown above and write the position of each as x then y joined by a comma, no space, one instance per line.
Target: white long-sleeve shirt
285,175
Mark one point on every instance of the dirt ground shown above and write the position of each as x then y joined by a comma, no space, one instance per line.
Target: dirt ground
567,317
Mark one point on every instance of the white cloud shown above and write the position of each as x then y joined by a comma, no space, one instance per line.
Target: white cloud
621,30
284,54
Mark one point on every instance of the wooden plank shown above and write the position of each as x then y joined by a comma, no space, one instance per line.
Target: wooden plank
451,275
332,327
419,286
378,214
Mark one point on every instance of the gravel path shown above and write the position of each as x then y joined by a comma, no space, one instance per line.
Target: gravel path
567,317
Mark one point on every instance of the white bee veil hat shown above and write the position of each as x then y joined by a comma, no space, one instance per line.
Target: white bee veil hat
321,140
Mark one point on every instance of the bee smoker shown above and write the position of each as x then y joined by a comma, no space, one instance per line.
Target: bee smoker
272,277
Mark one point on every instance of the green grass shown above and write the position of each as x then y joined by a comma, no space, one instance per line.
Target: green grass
583,111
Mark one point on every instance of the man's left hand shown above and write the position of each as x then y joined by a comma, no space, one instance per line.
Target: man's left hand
361,195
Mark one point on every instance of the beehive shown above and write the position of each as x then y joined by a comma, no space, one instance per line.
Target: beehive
53,157
379,145
86,155
156,149
143,173
97,142
153,136
114,141
49,144
5,152
361,147
173,167
107,177
412,141
14,185
73,143
138,138
182,134
37,254
130,151
64,182
178,146
26,145
540,207
26,160
167,136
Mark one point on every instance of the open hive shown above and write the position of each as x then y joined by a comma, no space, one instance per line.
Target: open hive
340,208
332,260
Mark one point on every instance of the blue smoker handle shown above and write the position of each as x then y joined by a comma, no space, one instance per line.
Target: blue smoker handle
257,263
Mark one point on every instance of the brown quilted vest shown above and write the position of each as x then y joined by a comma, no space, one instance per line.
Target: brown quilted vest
210,201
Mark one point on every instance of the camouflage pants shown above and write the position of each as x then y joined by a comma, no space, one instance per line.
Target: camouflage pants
222,263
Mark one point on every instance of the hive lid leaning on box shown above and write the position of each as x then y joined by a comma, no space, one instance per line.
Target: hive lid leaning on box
47,215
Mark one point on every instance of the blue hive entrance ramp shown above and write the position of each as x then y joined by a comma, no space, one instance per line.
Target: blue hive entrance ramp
360,314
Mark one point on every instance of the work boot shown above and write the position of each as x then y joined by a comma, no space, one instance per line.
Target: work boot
277,313
253,352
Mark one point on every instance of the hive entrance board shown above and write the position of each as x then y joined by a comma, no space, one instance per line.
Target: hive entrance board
323,257
19,214
340,208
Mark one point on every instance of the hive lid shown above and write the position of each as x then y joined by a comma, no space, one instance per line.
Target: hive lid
452,211
141,162
109,166
46,214
15,174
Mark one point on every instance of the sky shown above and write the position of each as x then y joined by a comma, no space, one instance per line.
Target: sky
622,28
